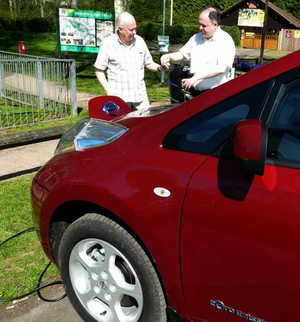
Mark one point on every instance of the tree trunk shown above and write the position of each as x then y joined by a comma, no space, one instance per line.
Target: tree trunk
120,6
42,9
11,8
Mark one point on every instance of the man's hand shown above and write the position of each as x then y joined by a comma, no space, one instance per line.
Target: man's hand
188,82
163,68
165,61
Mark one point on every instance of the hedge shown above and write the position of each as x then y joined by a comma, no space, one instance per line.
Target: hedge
179,34
32,25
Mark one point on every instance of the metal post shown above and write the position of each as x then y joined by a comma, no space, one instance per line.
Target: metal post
162,74
262,48
58,34
164,17
2,80
39,79
73,92
171,13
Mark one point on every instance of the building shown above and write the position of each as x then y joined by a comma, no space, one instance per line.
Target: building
249,16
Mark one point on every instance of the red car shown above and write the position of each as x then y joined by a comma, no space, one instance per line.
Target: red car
188,212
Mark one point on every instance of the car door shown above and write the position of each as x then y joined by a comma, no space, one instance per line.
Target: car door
240,241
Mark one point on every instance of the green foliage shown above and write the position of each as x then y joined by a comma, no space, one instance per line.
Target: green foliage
175,33
187,12
40,25
222,5
189,31
234,32
47,9
179,34
10,24
97,5
149,30
37,43
291,6
28,24
147,10
184,12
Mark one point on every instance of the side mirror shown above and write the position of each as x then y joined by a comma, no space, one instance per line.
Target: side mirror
248,143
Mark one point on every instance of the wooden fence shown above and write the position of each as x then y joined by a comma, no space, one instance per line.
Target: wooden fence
289,40
254,41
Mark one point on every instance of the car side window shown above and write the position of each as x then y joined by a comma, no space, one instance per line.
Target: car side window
284,125
207,130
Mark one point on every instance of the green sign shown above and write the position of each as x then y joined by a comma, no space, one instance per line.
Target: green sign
83,30
87,14
80,49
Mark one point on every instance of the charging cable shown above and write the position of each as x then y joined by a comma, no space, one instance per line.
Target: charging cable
39,286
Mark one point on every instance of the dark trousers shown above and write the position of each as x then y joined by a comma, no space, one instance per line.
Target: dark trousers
195,92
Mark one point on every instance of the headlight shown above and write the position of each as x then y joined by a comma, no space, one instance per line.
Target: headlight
89,133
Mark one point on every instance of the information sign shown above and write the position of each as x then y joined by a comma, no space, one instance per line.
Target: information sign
83,30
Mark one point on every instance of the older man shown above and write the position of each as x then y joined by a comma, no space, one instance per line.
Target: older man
124,55
211,53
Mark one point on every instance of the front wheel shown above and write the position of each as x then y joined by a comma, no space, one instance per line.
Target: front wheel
107,275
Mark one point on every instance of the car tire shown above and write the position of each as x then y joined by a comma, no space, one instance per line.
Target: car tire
107,275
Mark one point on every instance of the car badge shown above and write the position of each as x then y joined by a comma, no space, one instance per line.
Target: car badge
111,108
162,192
219,305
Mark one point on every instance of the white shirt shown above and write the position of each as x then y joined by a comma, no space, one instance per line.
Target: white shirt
125,66
204,54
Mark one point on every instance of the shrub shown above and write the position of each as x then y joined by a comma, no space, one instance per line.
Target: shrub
179,34
31,24
175,33
149,30
40,25
234,32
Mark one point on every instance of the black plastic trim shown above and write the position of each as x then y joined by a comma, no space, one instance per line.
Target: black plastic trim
173,316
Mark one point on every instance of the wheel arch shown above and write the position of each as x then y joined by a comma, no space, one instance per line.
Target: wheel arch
61,219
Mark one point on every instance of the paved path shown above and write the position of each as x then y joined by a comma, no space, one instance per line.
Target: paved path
33,309
250,53
25,159
255,53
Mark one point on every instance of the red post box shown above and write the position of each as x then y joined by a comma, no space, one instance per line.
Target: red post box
22,48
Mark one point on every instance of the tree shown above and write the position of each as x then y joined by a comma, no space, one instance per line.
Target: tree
184,12
120,6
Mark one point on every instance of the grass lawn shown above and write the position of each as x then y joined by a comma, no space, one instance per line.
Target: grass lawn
22,259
